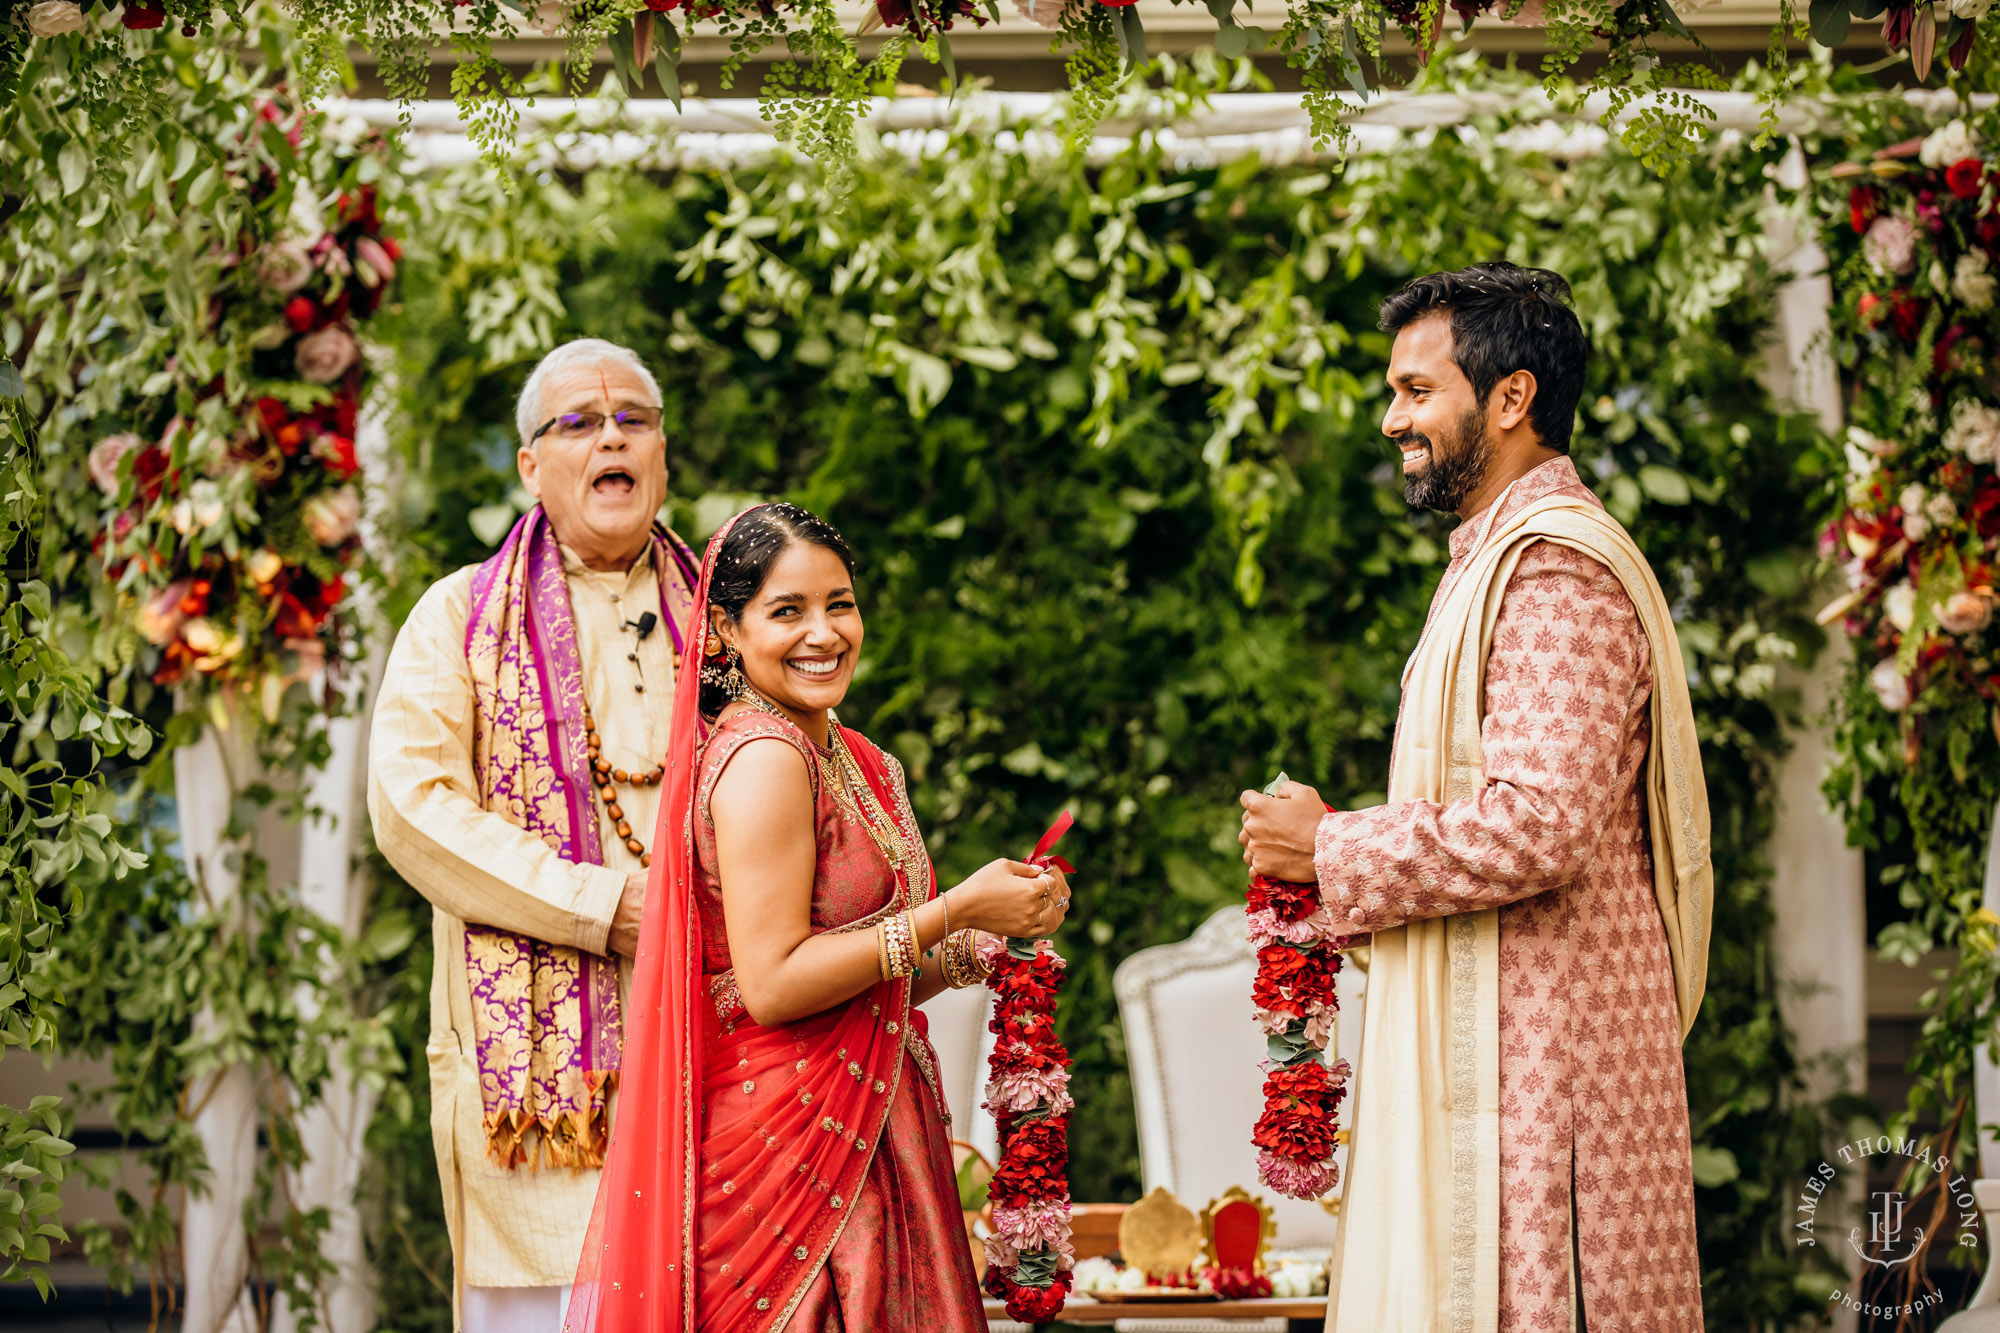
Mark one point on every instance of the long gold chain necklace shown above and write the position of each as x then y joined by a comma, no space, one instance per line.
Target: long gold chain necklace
852,792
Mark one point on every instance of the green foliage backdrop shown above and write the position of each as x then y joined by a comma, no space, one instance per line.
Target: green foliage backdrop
1106,445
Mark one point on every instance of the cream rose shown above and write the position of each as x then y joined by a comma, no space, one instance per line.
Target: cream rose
1973,281
1947,144
326,355
1966,612
1900,605
54,18
1890,685
1916,524
263,565
331,517
1974,430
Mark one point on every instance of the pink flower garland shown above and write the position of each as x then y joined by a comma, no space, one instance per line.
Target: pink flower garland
1029,1255
1298,961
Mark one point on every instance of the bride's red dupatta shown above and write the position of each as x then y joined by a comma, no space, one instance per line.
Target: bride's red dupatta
722,1221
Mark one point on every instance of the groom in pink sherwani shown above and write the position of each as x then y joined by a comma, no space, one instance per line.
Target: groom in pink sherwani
1596,1206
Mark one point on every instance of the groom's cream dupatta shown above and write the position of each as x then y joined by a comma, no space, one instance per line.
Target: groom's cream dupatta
1418,1249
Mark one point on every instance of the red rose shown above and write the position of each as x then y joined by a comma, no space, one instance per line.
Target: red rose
337,452
139,18
1862,203
1291,902
360,208
1906,317
271,413
293,619
1965,176
300,313
1985,511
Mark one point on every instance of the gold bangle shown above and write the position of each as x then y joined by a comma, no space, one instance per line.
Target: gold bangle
882,949
945,898
916,949
957,960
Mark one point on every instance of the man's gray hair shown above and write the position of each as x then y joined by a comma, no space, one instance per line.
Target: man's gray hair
577,352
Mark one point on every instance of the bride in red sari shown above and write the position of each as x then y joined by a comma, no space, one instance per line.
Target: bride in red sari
779,1157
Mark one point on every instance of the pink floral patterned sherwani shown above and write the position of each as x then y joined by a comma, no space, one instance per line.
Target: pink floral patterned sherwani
1593,1103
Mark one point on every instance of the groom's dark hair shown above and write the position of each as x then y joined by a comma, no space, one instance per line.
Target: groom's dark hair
1506,318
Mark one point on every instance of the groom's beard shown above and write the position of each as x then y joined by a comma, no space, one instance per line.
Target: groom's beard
1455,465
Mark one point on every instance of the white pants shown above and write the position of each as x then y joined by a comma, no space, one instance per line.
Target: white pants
515,1309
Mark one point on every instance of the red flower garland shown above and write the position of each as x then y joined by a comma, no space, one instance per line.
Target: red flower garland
1028,1256
1298,962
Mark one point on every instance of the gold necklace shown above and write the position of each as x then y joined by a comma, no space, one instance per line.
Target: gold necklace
848,780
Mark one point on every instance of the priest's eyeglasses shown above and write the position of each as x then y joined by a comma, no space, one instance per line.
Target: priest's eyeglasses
576,427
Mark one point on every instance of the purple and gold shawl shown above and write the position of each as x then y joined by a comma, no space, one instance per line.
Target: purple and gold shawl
545,1017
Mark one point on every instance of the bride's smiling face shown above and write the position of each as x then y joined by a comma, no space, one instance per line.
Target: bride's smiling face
800,636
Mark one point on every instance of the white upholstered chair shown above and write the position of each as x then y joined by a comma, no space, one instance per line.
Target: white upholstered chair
1194,1048
958,1030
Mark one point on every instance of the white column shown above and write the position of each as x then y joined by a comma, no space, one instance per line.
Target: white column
1817,892
331,1129
215,1249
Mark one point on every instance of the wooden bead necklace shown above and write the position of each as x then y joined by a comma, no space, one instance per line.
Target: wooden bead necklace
607,778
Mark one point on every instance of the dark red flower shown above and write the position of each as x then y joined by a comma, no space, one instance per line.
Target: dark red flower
359,209
293,620
271,413
1906,316
1965,177
1896,25
1961,50
140,18
1029,1305
1985,508
1862,203
300,313
1291,902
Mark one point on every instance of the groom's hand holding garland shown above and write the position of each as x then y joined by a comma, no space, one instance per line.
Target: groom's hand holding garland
1298,961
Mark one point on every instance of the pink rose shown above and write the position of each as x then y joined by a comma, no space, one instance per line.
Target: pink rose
284,266
1043,13
1890,685
105,456
327,355
1891,244
332,516
375,265
1965,613
161,617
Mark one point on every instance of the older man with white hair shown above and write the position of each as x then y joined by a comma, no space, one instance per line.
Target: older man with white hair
515,770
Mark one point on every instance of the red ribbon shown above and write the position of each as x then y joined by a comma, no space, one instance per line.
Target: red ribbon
1042,857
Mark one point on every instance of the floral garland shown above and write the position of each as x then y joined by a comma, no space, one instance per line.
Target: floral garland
1298,962
1029,1257
1918,532
232,528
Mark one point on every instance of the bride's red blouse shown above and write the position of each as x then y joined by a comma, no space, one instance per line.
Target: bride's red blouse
826,1196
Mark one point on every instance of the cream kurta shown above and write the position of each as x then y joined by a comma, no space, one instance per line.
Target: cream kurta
520,1227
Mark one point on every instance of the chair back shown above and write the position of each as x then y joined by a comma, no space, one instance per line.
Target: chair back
958,1021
